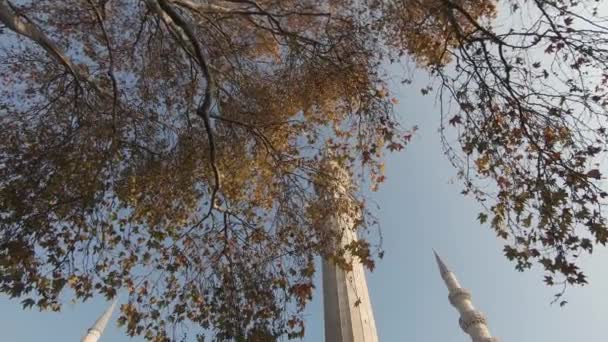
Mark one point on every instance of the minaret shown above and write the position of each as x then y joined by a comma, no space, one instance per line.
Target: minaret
346,303
94,333
472,321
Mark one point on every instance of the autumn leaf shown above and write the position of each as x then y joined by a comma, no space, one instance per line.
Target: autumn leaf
595,173
482,218
456,119
394,146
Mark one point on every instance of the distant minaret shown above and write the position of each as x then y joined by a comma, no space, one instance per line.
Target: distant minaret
94,333
472,321
346,303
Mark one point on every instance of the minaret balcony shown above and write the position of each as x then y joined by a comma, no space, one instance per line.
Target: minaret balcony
470,318
458,295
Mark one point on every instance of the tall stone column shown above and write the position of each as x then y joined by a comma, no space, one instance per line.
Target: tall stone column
472,321
94,333
347,306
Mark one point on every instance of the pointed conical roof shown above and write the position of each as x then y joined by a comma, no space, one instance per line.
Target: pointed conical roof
442,267
103,320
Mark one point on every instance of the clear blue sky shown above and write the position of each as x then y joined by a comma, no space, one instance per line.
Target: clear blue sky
420,210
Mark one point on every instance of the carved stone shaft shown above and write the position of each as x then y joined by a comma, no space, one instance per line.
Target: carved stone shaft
346,303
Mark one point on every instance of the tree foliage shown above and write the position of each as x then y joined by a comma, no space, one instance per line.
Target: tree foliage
169,150
531,120
174,149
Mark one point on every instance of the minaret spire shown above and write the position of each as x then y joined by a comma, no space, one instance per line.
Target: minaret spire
472,321
442,267
347,307
94,333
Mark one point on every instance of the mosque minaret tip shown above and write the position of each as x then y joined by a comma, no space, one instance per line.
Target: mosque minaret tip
472,321
94,333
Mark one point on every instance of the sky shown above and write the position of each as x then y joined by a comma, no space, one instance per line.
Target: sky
420,209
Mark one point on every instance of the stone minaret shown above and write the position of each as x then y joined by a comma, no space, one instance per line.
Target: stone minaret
346,303
94,333
472,321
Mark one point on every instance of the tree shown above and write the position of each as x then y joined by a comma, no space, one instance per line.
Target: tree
531,123
170,149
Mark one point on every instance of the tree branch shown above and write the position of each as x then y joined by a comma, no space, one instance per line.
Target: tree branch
203,111
22,25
